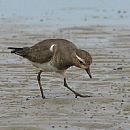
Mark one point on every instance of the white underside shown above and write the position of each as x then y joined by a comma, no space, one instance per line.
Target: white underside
45,67
48,67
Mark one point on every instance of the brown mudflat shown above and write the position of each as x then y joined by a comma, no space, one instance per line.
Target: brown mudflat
109,107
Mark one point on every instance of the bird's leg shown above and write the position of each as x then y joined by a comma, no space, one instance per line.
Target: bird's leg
39,82
76,93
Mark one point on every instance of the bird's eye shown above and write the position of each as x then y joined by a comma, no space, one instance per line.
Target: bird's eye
81,62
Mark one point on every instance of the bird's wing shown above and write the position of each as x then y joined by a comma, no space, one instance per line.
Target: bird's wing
39,54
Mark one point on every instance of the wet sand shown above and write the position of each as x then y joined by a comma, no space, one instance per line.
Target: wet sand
21,107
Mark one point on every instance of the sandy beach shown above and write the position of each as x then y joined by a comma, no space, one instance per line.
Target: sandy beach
21,107
100,27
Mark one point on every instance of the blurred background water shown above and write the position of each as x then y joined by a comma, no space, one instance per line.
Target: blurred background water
67,12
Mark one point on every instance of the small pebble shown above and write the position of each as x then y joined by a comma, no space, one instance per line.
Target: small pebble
66,126
53,126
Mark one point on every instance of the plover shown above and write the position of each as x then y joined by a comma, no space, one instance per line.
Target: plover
55,55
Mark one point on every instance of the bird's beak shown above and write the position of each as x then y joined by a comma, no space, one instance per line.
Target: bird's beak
88,71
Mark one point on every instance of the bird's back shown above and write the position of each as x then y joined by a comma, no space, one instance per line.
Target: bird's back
61,43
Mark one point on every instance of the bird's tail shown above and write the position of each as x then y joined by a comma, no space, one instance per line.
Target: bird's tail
19,51
15,50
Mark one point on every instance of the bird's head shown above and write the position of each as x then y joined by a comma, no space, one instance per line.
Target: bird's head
82,59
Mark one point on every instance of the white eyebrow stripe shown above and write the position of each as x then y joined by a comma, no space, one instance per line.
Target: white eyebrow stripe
80,59
52,47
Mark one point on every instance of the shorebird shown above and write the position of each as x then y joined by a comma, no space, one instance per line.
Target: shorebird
55,55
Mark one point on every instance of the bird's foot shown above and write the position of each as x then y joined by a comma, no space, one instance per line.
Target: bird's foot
80,95
43,97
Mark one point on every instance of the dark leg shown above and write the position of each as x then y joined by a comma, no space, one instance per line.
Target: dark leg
39,82
76,93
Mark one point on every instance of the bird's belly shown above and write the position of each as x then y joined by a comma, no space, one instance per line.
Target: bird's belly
48,67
